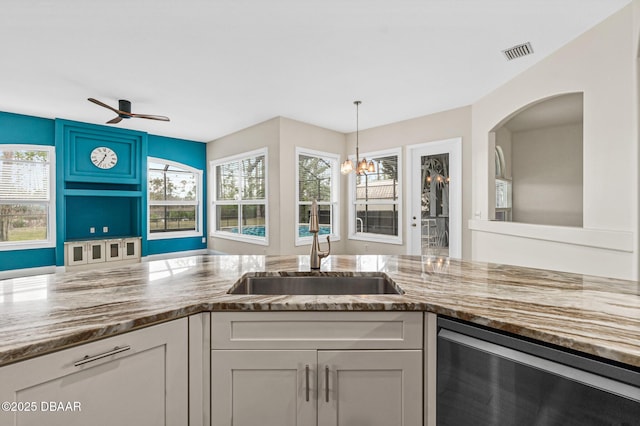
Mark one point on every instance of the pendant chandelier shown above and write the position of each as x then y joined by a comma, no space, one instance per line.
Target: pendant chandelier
362,166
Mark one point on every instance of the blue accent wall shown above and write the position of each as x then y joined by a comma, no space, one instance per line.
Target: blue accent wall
24,129
79,204
16,128
190,153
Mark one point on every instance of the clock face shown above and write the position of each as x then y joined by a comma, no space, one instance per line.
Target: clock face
103,157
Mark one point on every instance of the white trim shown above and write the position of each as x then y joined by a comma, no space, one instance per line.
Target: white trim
453,147
50,242
335,194
264,241
376,238
597,238
198,203
26,272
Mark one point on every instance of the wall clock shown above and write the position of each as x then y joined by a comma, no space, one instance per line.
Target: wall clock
103,157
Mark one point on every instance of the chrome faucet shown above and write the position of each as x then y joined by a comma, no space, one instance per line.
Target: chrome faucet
314,228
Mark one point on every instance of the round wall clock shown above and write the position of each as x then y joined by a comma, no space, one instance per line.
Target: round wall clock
103,157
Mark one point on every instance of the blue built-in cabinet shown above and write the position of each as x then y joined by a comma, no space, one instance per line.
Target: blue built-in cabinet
91,197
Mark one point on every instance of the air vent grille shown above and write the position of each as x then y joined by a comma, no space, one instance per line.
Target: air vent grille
518,51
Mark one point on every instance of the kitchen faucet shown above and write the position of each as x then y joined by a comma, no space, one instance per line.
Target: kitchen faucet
314,228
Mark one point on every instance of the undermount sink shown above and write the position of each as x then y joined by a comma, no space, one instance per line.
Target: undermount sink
315,283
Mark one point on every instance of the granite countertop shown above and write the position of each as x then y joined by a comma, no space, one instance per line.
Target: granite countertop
44,313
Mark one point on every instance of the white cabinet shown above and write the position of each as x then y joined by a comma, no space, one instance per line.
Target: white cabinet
140,378
373,388
131,248
316,368
94,252
250,388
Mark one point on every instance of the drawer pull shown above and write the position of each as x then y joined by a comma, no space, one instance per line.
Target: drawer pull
306,378
114,351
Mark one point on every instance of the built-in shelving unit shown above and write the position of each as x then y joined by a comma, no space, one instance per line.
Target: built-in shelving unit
99,204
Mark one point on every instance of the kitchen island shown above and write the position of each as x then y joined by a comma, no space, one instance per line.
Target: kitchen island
593,315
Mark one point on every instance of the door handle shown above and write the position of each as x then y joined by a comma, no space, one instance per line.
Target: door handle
414,225
326,383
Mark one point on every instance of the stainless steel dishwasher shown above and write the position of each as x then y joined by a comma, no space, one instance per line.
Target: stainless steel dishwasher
491,378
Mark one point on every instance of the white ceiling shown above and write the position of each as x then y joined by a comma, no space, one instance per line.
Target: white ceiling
218,66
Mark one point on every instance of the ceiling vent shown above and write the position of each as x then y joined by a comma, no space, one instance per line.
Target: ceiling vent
518,51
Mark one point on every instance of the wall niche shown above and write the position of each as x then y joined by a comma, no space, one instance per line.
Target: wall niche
539,163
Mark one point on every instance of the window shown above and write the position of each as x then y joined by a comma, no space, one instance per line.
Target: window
374,213
27,203
175,199
317,178
240,197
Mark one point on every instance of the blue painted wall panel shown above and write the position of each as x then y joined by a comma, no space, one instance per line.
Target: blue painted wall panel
190,153
116,213
24,129
22,259
124,216
175,245
16,128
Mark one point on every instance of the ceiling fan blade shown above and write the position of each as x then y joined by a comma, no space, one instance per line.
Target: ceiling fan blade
115,120
151,117
102,104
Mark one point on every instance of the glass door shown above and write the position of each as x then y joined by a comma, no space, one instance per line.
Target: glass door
435,217
434,204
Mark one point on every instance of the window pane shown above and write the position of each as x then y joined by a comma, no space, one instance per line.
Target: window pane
253,178
172,218
23,222
227,218
172,185
314,178
324,219
227,181
382,184
254,220
24,175
377,219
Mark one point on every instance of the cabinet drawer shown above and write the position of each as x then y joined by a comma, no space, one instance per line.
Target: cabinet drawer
316,330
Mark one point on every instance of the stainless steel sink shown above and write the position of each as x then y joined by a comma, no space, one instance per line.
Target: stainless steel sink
315,283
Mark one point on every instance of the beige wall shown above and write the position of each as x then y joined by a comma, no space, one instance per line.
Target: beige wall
602,64
429,128
503,139
547,175
266,134
283,135
297,134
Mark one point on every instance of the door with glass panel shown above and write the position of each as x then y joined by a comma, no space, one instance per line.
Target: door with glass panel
435,199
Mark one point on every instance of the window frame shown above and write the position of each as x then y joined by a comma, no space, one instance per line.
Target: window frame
335,194
353,202
198,203
50,242
238,158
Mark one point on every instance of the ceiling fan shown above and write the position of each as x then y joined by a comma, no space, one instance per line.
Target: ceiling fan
124,111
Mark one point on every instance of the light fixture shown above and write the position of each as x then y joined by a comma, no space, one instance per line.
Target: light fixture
362,166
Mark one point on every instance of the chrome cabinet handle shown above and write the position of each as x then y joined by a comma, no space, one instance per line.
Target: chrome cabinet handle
326,383
114,351
306,378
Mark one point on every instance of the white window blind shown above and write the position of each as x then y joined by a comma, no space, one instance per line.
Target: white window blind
24,175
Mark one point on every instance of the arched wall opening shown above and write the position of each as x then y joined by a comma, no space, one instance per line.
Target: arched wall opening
539,171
